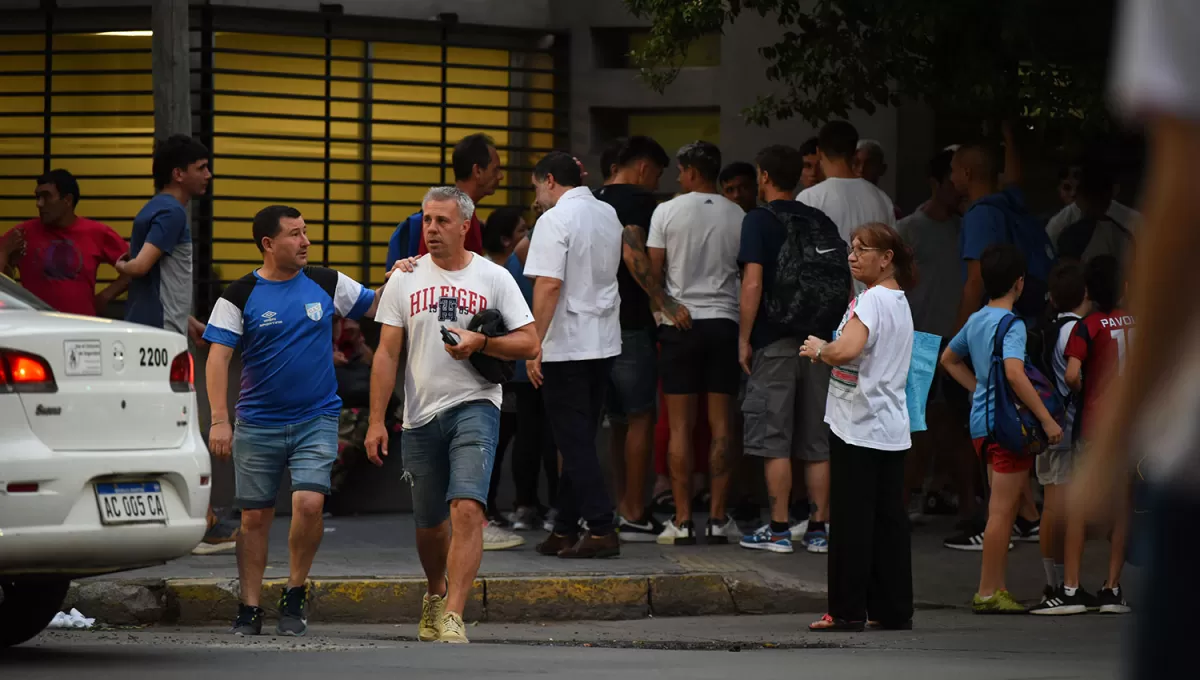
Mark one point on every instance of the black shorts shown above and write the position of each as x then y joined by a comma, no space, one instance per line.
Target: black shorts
702,360
946,389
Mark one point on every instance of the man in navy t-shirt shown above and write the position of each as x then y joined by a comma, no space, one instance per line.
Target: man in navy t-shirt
281,316
784,406
160,252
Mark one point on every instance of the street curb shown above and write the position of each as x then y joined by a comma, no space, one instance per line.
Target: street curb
493,598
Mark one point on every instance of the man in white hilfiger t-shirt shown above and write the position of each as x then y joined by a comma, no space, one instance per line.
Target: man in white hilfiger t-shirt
451,412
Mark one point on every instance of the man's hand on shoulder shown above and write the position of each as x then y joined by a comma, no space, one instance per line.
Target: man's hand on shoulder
406,265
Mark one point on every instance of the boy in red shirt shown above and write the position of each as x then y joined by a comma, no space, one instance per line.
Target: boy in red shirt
1095,355
58,253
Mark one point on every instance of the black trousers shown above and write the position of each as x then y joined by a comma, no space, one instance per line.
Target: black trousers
508,428
573,393
533,450
1165,630
870,551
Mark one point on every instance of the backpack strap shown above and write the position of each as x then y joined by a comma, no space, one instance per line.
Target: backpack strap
1002,330
1052,347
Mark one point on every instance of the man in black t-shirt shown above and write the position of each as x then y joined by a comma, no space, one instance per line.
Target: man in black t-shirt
633,392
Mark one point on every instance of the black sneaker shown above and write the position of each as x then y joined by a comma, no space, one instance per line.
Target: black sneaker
663,503
249,620
1027,531
1048,591
292,619
1089,600
1112,601
644,531
1061,604
971,542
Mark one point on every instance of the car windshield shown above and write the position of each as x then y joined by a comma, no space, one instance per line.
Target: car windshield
13,296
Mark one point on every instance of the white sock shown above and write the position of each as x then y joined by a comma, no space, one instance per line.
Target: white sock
1048,567
1070,591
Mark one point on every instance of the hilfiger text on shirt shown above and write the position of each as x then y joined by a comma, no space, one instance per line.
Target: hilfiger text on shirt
446,301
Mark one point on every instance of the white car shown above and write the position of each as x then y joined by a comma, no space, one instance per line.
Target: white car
102,467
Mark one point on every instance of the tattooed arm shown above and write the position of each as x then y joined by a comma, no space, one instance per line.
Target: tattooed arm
633,250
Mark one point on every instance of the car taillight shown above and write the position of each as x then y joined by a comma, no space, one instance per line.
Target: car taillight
182,373
24,372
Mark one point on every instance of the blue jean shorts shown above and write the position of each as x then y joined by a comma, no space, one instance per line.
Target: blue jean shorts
260,455
449,458
633,382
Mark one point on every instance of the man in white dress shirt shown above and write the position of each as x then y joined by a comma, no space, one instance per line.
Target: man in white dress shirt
573,259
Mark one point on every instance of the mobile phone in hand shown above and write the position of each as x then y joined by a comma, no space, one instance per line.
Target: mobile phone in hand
449,338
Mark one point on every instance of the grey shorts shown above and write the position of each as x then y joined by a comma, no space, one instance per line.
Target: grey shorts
1056,465
784,407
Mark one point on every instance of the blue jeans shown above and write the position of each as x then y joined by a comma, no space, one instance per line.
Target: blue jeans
260,455
449,458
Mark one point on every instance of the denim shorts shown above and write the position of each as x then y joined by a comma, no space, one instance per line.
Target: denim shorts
261,453
449,458
633,381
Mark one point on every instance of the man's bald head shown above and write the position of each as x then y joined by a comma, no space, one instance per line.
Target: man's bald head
974,170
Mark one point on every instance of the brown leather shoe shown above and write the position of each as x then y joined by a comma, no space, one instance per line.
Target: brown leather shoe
590,547
556,543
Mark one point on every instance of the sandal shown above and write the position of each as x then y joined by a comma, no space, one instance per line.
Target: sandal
829,624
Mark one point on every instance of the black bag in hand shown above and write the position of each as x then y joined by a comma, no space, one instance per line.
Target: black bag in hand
490,323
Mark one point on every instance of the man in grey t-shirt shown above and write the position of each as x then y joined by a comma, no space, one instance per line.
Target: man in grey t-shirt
932,233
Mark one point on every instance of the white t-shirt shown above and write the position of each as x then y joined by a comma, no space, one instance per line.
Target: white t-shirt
1060,372
1157,71
701,234
866,405
850,203
578,242
1121,214
429,298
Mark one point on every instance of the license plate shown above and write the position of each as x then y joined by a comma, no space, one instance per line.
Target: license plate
130,502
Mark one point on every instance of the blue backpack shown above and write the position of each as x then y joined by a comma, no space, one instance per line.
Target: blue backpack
1011,424
1028,234
406,240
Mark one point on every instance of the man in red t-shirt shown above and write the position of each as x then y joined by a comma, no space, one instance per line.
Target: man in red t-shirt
58,253
477,172
1095,355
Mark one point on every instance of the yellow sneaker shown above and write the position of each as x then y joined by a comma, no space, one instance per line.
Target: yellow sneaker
1001,602
453,629
433,608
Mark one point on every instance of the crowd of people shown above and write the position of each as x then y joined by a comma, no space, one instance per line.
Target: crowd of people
767,311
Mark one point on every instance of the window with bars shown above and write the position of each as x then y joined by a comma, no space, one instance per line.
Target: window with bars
323,114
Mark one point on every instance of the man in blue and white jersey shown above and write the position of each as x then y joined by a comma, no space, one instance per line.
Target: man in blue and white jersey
281,317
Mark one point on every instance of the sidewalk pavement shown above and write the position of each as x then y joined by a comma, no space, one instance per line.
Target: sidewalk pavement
367,571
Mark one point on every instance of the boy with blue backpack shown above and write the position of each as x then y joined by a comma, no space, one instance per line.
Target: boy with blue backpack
1006,408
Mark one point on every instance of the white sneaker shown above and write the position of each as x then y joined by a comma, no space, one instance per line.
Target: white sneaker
433,608
548,521
453,629
721,532
495,538
672,534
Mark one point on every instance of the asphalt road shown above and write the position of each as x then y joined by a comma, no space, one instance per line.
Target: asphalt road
944,644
